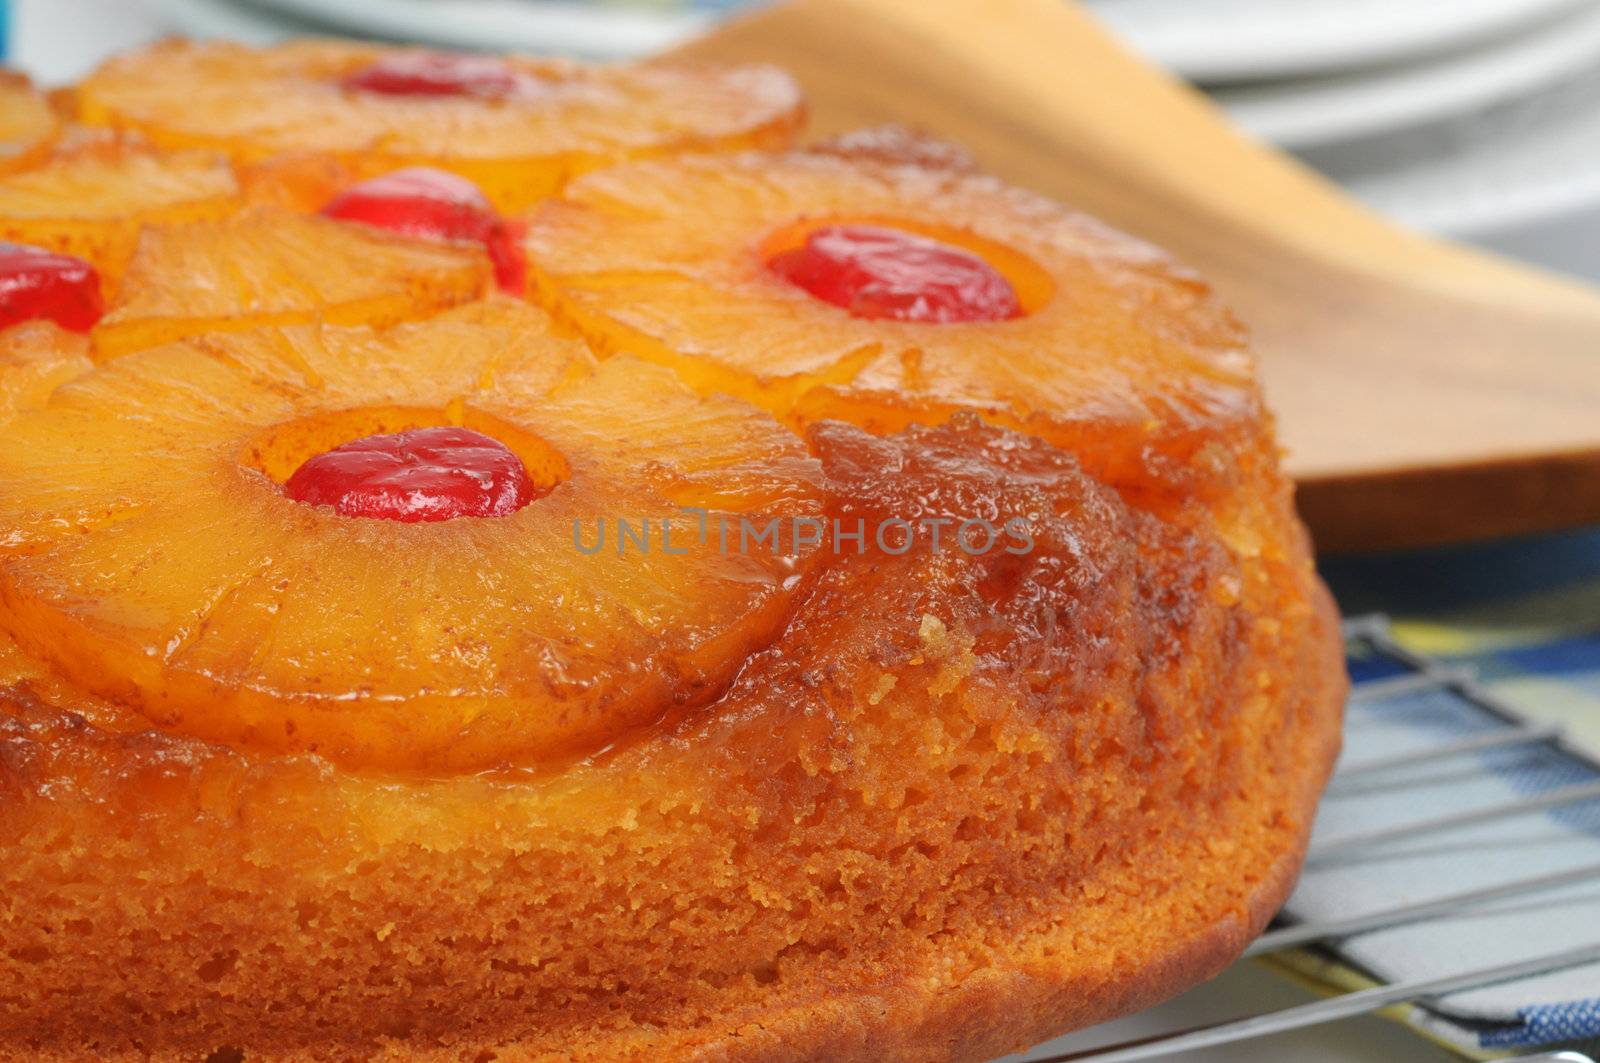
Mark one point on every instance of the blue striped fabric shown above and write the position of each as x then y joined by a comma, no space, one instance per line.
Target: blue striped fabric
1547,1024
1526,616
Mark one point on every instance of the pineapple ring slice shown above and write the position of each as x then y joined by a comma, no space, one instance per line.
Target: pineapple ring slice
1117,349
154,560
273,267
91,199
255,103
37,357
28,124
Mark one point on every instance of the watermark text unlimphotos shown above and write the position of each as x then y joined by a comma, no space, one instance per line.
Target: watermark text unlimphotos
788,536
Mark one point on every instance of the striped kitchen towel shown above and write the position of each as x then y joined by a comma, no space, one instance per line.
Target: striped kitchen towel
1524,619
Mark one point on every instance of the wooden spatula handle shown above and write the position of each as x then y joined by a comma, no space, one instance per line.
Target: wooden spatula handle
1426,392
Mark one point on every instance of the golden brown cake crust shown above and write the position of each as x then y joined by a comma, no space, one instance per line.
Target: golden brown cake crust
829,865
1000,1011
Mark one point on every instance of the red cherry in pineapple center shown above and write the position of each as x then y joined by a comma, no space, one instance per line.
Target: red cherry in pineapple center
421,475
421,202
881,273
438,74
40,285
428,204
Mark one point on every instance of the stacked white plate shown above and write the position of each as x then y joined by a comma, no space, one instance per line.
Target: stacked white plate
1474,118
605,29
1468,117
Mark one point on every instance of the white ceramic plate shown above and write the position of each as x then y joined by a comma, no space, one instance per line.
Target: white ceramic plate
1518,163
1314,111
560,27
223,18
1248,40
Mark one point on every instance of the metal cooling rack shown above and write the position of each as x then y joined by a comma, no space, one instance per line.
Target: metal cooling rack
1510,728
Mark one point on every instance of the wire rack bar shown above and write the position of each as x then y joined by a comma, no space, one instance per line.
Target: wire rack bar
1566,795
1305,933
1500,739
1411,683
1324,1011
1520,729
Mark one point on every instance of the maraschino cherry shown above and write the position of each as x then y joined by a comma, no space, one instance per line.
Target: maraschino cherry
421,475
880,273
439,74
40,285
430,204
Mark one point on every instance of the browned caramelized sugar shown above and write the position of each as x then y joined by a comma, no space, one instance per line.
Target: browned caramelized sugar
1050,772
285,787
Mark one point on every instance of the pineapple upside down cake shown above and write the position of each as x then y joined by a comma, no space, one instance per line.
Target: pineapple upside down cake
503,561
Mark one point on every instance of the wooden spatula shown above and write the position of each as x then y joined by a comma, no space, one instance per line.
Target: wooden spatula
1426,393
